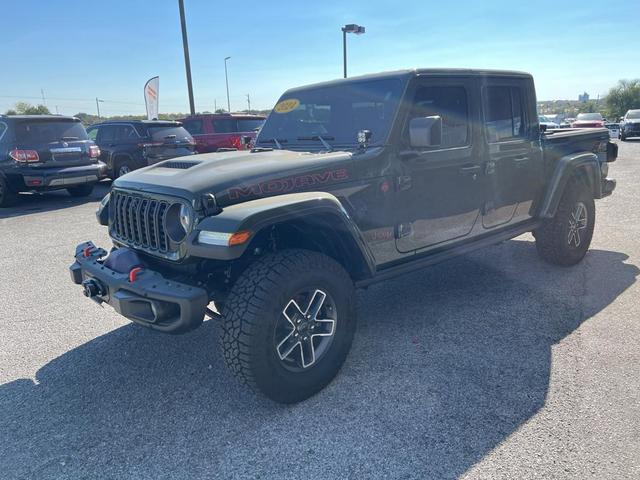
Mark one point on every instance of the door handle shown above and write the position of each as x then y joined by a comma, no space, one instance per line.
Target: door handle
520,161
472,170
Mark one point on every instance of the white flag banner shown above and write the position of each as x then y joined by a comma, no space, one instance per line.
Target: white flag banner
151,90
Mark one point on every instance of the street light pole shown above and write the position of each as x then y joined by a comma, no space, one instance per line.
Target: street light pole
344,51
248,103
350,28
226,79
187,63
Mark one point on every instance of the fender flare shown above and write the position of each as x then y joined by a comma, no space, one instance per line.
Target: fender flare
320,209
586,163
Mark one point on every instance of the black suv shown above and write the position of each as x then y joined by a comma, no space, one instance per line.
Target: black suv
128,145
46,152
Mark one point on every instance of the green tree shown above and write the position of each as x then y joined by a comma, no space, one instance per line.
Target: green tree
624,96
24,108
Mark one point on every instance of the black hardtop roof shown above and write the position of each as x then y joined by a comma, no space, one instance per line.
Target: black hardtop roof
408,73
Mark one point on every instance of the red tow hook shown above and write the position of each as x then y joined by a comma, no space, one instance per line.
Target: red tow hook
133,274
86,252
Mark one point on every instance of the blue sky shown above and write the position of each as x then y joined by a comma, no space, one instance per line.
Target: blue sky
77,50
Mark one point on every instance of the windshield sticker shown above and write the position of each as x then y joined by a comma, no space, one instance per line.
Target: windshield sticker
286,106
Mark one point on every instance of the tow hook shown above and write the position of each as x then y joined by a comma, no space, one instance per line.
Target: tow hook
92,289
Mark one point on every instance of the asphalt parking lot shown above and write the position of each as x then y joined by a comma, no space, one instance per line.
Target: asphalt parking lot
493,365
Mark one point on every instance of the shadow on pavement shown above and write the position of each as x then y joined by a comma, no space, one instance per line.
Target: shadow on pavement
29,203
447,363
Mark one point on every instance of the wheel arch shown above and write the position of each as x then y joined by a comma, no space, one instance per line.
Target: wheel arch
312,220
583,165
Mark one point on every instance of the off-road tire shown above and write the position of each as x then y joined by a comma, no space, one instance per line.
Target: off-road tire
553,240
80,190
7,196
255,306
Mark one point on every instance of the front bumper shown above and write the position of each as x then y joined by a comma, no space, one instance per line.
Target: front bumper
50,178
150,299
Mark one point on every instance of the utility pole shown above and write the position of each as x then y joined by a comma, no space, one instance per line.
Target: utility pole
248,103
44,100
98,102
187,63
215,105
226,79
57,110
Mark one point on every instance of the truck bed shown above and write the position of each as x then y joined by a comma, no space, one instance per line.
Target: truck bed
563,141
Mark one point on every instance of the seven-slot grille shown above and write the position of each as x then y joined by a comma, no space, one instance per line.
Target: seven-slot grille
139,221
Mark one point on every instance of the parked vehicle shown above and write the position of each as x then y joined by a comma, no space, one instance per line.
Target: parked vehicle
129,145
588,120
351,182
630,125
213,131
614,129
543,120
46,152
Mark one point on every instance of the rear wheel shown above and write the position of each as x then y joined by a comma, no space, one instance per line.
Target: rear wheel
123,166
288,324
7,196
80,190
565,239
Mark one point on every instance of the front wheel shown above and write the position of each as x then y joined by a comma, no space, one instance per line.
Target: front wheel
288,324
565,239
7,196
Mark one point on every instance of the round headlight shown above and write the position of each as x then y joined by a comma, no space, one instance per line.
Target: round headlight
178,222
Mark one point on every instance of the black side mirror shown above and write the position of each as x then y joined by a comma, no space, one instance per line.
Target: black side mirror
543,128
425,131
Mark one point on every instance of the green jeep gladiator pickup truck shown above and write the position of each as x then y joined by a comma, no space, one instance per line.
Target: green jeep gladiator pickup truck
350,182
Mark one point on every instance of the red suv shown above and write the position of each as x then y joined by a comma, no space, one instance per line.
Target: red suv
213,131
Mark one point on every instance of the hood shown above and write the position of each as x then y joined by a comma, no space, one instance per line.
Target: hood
237,176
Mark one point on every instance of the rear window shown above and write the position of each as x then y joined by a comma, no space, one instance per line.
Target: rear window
249,124
194,127
589,116
49,131
161,133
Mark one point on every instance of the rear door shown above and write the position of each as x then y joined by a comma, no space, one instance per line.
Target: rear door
514,168
225,130
59,142
440,188
106,140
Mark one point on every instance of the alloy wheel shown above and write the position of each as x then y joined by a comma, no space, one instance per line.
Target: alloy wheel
306,329
577,223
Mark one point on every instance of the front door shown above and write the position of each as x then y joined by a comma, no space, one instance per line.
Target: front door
440,189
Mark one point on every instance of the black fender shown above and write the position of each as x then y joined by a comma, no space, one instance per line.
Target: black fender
585,164
316,210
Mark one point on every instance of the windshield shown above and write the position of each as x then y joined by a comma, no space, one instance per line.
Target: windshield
635,114
49,131
542,118
336,113
589,116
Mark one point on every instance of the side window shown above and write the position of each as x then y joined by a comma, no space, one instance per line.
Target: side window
194,126
448,102
503,116
107,133
92,133
226,125
126,133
